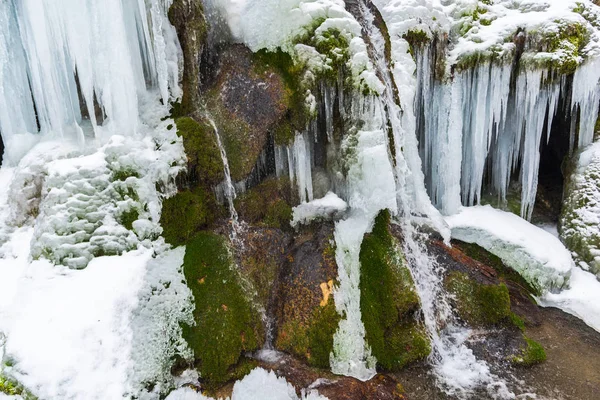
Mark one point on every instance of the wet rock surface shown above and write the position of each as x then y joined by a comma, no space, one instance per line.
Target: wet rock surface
246,100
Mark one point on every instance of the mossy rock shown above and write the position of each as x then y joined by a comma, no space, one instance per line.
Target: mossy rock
532,354
187,16
388,300
306,314
205,165
247,101
186,213
267,204
226,324
504,272
479,304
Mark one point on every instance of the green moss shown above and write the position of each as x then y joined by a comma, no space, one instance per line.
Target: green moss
505,273
479,304
267,204
187,213
531,355
416,38
205,165
9,387
320,334
298,115
388,300
226,323
561,49
312,339
517,321
124,173
129,217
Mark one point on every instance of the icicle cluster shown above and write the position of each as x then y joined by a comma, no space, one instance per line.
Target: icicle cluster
478,127
83,60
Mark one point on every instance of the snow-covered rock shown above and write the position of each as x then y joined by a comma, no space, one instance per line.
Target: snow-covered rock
531,251
580,218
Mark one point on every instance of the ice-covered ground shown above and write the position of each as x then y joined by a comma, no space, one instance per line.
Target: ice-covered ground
536,254
105,331
258,385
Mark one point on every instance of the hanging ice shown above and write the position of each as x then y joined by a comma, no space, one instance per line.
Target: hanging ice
82,59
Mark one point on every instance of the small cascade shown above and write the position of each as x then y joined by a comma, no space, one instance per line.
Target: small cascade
455,365
228,187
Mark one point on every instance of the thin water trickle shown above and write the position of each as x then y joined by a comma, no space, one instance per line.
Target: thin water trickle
229,188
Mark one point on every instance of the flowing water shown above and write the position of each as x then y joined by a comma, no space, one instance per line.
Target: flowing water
455,366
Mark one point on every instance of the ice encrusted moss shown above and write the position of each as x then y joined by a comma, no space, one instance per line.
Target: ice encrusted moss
98,201
388,300
580,217
226,324
556,35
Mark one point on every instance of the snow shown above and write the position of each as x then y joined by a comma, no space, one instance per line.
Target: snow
324,208
534,253
258,385
580,218
581,299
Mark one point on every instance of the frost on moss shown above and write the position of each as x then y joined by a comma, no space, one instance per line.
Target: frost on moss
558,49
580,217
389,301
226,324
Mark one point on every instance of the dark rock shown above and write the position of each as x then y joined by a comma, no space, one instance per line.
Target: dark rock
247,99
187,16
381,387
305,311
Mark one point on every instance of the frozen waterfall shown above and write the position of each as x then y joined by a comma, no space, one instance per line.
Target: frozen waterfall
72,67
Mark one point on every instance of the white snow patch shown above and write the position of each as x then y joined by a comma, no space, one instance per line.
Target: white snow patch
581,299
536,254
324,208
258,385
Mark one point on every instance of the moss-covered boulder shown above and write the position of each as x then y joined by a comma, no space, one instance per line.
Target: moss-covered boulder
226,324
389,301
532,353
579,223
267,204
247,101
205,165
195,206
187,16
478,304
306,316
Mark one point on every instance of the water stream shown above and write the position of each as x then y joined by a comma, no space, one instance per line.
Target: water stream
454,364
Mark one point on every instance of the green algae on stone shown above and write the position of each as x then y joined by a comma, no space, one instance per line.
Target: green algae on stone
226,324
532,354
186,213
205,166
388,300
267,204
478,304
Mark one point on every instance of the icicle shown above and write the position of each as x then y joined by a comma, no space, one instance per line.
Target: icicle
101,52
586,98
